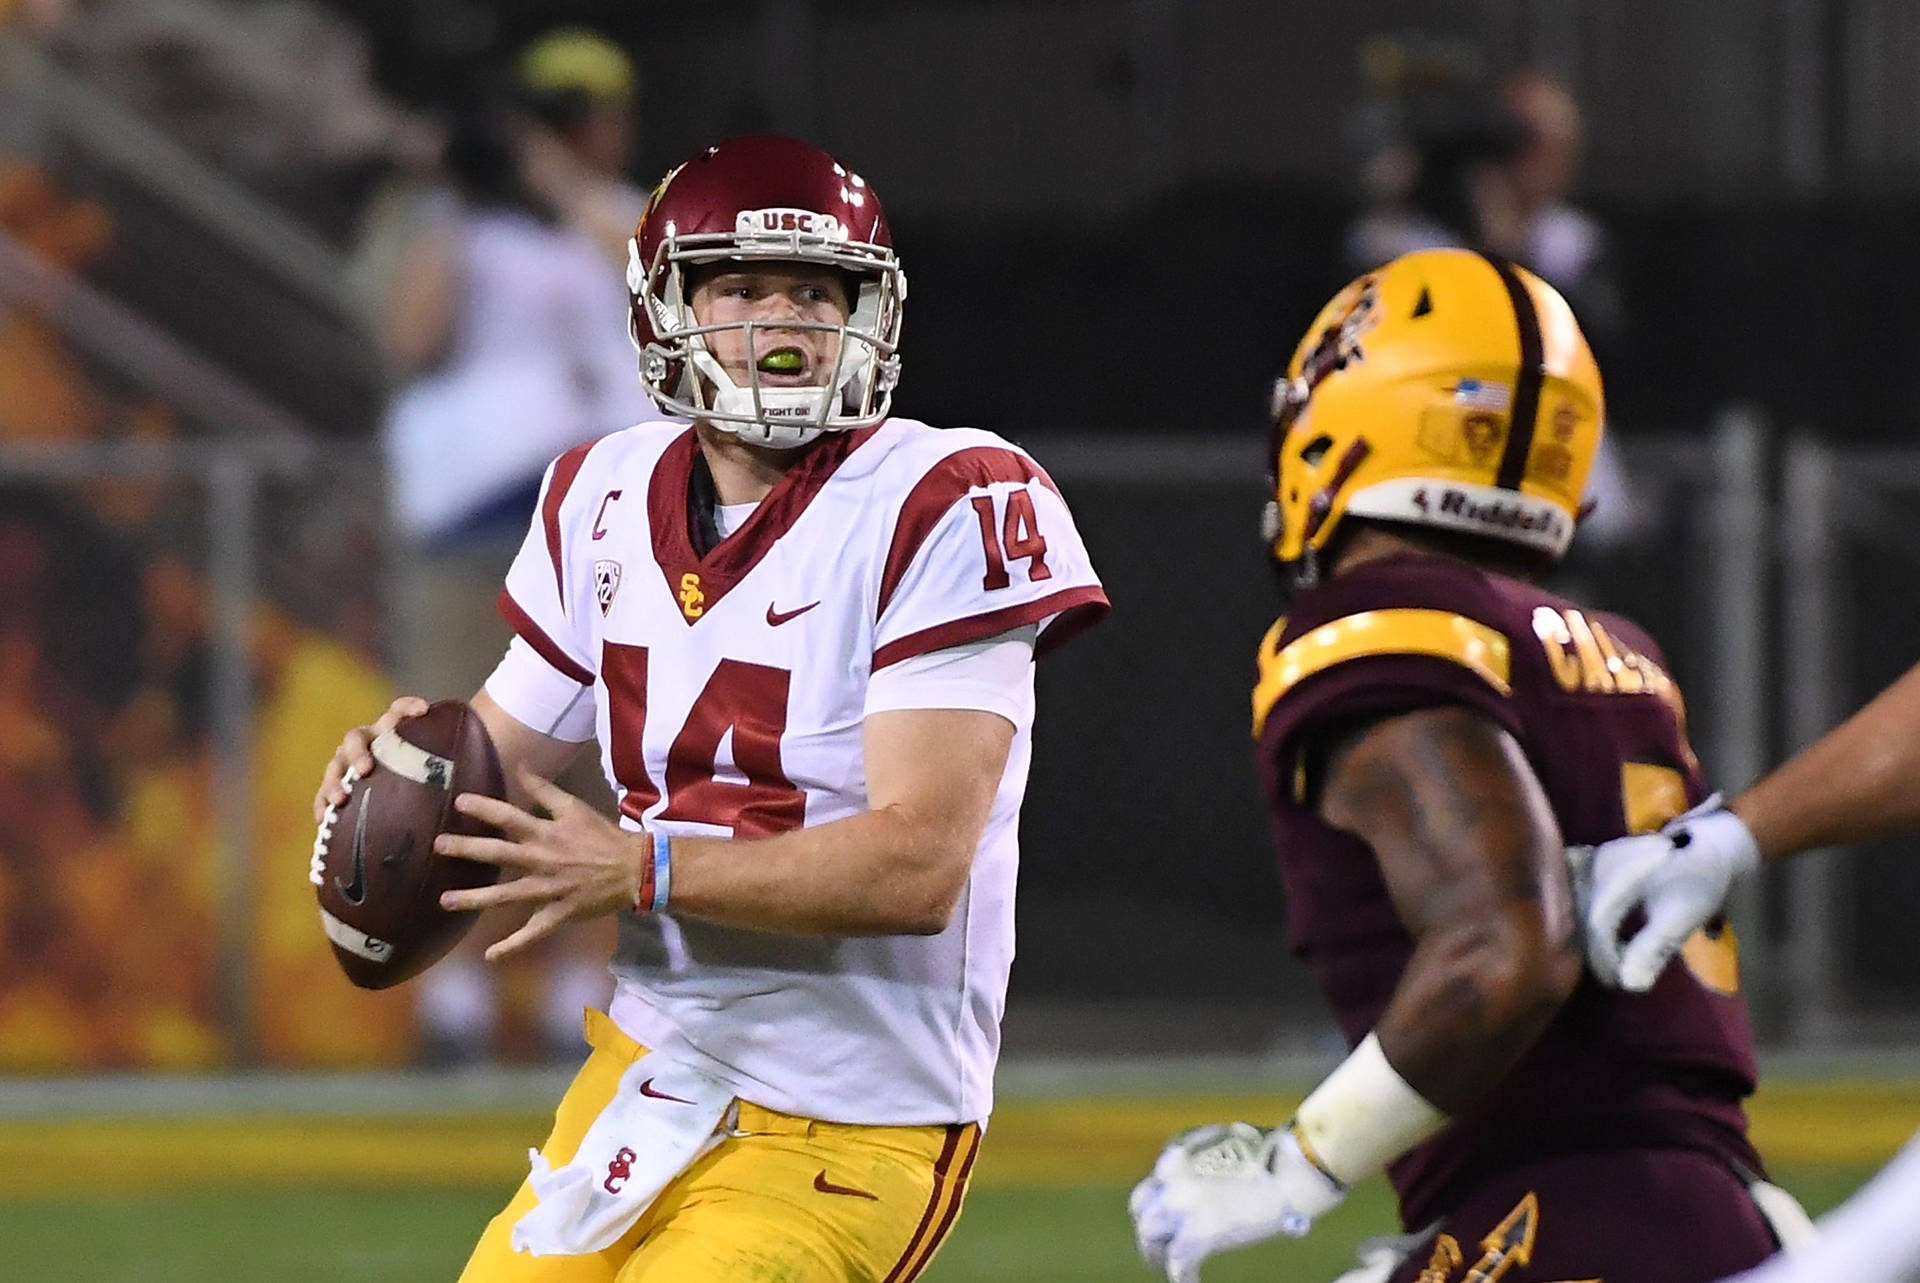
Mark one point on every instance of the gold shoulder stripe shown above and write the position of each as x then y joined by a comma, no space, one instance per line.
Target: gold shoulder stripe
1263,661
1481,650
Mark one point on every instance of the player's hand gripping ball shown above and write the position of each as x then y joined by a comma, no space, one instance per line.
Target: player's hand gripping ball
374,869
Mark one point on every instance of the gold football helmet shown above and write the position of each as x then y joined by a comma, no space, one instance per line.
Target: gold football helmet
1447,389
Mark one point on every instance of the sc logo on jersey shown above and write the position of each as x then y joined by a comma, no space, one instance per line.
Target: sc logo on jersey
693,601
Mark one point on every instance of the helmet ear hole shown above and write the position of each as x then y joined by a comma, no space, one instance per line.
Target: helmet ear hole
1315,450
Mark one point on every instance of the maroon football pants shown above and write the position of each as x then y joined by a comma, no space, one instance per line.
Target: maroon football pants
1616,1216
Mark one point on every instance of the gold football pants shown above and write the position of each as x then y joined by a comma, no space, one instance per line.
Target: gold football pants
783,1199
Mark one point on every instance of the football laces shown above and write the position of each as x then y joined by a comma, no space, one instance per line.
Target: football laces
317,867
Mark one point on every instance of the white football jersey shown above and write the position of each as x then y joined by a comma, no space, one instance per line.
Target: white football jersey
729,692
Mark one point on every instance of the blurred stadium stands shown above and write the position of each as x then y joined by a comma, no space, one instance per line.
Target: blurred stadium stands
1137,206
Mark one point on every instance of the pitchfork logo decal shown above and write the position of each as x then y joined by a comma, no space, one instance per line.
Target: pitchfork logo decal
606,582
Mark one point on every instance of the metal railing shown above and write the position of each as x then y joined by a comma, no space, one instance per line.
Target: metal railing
62,105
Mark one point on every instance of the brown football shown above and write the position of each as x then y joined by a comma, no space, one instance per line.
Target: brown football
374,868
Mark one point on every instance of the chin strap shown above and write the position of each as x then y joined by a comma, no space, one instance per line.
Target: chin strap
780,417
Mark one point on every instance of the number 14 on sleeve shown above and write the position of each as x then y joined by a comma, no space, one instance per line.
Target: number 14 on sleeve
1016,537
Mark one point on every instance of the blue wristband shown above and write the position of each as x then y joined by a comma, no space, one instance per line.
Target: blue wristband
662,870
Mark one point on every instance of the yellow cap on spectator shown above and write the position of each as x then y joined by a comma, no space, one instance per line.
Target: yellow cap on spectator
573,58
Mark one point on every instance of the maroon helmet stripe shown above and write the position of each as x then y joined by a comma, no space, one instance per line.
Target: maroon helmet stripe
931,497
1526,382
565,469
1349,464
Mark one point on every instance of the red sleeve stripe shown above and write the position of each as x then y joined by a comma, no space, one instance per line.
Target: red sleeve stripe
533,635
935,493
565,469
1078,609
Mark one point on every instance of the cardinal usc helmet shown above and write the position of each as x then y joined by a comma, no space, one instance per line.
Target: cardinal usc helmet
1447,389
757,200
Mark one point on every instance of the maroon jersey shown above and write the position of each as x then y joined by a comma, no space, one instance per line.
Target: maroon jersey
1587,697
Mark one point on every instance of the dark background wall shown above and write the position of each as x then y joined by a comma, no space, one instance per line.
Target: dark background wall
1118,214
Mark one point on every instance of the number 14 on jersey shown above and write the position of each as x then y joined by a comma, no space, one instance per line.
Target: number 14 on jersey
1015,537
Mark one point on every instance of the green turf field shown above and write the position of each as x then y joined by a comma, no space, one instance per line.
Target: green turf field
388,1200
377,1234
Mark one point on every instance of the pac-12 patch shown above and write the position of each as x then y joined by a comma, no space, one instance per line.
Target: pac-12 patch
606,582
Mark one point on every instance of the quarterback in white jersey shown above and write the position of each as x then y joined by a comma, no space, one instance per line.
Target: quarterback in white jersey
802,632
728,694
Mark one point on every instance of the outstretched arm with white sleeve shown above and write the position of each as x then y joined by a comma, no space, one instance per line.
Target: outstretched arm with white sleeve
1471,856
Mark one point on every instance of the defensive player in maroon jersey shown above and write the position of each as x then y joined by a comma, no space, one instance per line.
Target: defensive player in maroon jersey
1433,729
1856,782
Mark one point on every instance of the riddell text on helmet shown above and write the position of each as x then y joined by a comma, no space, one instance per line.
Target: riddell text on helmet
1506,516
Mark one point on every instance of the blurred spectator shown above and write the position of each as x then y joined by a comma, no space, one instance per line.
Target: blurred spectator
1449,161
1565,245
508,335
582,93
1435,147
503,317
1568,247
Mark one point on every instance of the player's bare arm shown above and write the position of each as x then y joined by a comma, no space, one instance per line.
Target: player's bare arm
1854,783
1860,780
519,746
897,868
1471,855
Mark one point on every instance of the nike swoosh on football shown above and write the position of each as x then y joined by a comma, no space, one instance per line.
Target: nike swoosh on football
355,892
775,618
826,1186
646,1089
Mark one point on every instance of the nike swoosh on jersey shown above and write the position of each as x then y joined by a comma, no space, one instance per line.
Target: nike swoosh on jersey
355,892
646,1089
826,1186
775,618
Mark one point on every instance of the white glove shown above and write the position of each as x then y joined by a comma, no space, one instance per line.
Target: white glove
1681,874
1381,1256
1225,1186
